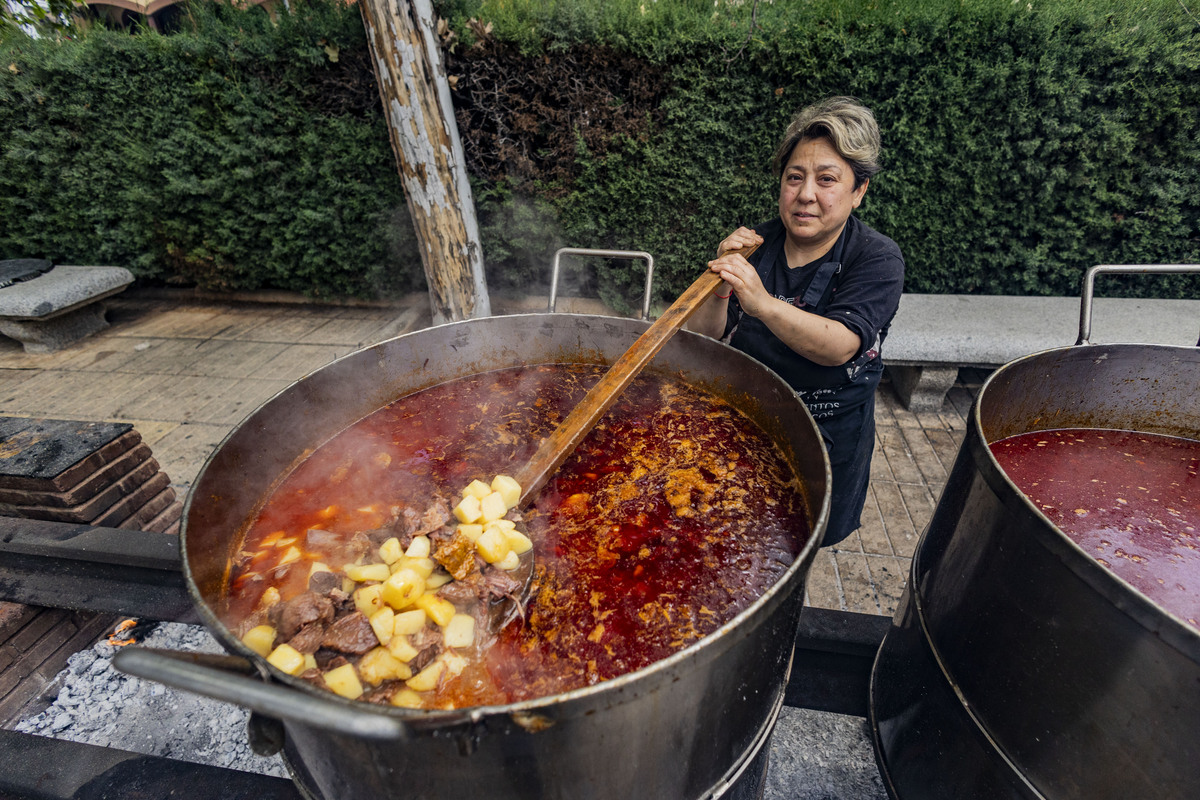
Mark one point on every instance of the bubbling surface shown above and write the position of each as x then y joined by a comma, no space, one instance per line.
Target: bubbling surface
671,517
1131,500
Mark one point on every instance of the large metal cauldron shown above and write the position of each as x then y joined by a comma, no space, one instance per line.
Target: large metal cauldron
683,727
1017,665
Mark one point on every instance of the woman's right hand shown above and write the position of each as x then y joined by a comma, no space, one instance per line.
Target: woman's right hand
739,239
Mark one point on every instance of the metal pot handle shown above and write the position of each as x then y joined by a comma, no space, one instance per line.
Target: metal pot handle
1089,279
585,251
229,679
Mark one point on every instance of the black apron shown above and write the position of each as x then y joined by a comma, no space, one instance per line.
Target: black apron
844,407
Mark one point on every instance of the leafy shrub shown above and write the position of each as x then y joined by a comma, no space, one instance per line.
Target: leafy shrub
1024,141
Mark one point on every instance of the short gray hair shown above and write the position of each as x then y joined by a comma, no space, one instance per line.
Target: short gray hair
849,127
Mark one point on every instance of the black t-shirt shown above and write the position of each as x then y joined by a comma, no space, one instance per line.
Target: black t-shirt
863,295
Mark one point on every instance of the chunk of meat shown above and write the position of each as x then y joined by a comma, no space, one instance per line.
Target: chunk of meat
308,639
457,555
324,582
302,610
351,634
420,523
428,643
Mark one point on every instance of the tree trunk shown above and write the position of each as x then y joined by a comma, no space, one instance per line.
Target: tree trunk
416,101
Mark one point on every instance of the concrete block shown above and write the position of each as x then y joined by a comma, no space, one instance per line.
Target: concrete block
59,307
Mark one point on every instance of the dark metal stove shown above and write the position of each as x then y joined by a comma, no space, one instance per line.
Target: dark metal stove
137,574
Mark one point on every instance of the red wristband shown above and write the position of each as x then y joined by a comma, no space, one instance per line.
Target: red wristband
724,296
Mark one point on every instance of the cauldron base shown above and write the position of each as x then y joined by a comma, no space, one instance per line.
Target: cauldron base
750,785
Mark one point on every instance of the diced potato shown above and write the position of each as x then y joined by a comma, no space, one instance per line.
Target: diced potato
390,551
402,588
427,679
310,662
406,698
437,580
492,507
286,659
505,525
383,623
348,586
368,599
477,489
459,631
468,510
379,665
455,663
367,572
440,610
493,545
344,680
422,566
260,639
472,532
519,542
318,566
402,648
419,548
510,561
409,622
508,488
269,597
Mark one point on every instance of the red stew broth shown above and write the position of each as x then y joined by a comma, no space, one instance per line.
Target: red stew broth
1131,500
673,516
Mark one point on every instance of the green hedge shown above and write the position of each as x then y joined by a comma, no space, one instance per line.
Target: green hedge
1023,141
238,155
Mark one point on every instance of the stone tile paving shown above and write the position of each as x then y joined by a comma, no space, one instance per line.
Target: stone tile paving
185,373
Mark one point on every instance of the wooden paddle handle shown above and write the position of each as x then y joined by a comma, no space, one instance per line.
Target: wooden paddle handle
561,442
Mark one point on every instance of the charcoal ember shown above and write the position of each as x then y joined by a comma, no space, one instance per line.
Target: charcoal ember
351,634
302,610
457,555
309,638
324,582
429,645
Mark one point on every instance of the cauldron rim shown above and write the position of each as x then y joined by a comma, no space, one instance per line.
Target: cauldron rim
1121,594
437,719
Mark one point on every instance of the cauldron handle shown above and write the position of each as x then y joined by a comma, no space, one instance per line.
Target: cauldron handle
1089,280
225,678
588,251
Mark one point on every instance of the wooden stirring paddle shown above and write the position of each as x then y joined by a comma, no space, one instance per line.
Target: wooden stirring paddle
561,442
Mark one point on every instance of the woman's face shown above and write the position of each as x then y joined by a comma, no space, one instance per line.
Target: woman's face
816,195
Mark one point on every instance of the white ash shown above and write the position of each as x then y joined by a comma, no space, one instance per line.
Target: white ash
99,705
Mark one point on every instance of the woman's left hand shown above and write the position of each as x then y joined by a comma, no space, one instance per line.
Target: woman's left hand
741,277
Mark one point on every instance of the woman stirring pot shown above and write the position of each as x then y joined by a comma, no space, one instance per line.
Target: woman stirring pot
815,300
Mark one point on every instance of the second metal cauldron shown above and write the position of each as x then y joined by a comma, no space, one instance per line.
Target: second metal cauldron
686,726
1019,667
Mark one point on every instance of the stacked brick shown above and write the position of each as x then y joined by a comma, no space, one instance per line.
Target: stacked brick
92,473
84,472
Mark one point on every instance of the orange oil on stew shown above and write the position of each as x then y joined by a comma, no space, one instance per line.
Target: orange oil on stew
671,517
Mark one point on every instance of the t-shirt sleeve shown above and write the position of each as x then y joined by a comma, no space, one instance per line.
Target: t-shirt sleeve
867,296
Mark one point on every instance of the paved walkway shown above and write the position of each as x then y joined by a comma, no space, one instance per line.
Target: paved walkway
185,372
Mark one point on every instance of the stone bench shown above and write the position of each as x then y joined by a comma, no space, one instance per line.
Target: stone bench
933,335
59,307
